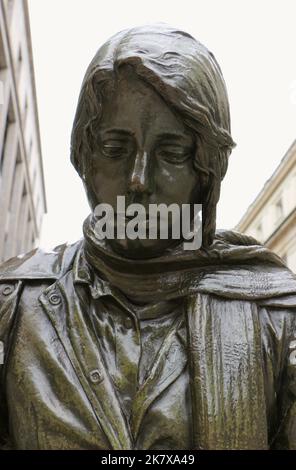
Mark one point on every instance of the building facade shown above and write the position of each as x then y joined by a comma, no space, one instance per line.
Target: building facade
271,218
22,192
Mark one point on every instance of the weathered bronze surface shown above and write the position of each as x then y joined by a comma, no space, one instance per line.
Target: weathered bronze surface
138,344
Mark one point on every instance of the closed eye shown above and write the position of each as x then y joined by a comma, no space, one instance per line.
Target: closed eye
116,148
174,153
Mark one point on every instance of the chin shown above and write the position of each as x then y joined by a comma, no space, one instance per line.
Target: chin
142,249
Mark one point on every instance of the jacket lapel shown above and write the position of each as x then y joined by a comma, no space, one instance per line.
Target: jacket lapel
65,311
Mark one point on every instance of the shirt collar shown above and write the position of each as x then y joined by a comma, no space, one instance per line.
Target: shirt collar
83,273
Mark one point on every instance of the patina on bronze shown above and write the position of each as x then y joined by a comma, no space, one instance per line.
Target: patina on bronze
138,344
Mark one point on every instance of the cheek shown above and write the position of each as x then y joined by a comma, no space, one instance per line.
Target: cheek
106,182
177,183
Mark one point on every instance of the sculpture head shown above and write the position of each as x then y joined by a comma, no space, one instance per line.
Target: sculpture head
153,125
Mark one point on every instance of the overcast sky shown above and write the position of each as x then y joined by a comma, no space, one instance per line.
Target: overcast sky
255,44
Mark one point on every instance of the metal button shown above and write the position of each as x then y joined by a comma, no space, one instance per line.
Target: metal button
7,290
95,376
55,299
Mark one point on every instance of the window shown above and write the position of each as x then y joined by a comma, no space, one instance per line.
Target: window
18,65
279,210
3,63
259,231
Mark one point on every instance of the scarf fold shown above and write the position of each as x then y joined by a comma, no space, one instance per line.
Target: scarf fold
235,266
227,374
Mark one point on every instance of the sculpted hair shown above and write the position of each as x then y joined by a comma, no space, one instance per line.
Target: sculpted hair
187,76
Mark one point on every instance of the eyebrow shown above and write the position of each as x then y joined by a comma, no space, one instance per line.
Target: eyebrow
170,135
177,136
123,132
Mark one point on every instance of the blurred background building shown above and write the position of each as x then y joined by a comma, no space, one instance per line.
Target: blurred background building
22,193
271,218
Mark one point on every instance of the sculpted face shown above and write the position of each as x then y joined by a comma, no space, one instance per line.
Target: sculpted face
143,152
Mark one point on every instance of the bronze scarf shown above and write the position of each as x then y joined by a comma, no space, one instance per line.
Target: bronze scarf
235,266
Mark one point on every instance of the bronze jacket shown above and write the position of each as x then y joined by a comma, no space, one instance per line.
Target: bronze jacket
56,392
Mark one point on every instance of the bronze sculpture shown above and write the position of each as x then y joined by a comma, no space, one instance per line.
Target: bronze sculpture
138,344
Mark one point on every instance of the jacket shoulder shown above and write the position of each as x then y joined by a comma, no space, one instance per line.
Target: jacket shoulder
36,265
39,264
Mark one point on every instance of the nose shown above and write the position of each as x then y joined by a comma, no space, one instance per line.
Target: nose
139,179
